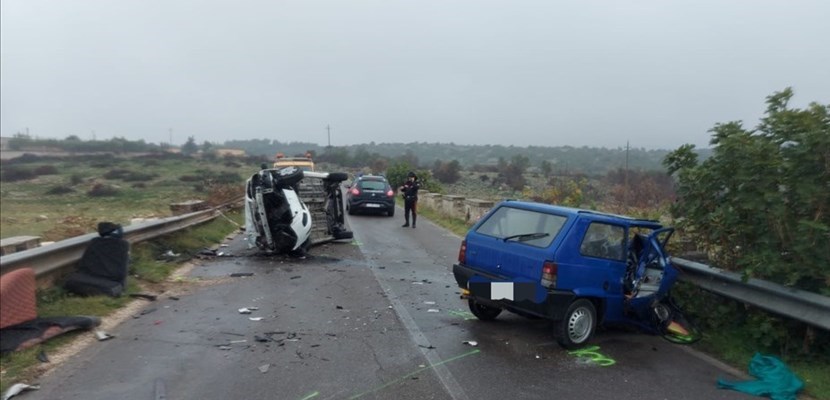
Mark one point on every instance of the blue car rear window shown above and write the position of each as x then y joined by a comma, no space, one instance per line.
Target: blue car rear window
539,229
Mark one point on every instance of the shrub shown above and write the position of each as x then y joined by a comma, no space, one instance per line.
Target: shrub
60,189
190,178
76,179
46,170
102,190
13,174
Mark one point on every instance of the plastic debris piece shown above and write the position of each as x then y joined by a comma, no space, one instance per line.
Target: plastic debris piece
102,335
255,318
421,366
144,296
429,303
223,347
42,357
245,310
238,341
17,388
433,310
264,368
417,283
171,254
472,343
240,274
338,307
537,356
223,245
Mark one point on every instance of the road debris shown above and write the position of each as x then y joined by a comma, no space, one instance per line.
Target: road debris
262,339
296,277
102,335
144,296
17,388
247,310
429,303
430,347
264,368
433,310
224,347
241,274
238,341
42,357
472,343
255,318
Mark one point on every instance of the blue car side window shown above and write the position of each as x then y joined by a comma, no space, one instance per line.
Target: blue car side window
603,240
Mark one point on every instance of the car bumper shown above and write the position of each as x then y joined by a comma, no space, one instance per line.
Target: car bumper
369,205
553,307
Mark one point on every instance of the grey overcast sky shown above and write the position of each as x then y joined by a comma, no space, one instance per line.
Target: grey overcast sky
599,72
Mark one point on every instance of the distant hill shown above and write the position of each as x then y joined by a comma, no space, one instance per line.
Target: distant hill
565,159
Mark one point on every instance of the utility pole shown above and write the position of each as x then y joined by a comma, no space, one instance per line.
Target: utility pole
328,129
625,193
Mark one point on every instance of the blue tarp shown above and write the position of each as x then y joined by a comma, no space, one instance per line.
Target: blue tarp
775,380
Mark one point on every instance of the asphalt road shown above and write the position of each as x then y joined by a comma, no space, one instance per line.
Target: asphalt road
377,318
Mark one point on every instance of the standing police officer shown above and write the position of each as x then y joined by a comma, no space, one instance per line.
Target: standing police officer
409,190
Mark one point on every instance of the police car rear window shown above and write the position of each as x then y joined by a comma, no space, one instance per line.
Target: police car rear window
373,185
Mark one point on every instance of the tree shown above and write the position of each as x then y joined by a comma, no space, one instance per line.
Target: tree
760,204
190,147
207,147
446,172
547,168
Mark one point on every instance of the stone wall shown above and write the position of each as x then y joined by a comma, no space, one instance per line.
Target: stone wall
454,206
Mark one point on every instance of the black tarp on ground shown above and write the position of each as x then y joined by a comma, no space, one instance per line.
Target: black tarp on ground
30,333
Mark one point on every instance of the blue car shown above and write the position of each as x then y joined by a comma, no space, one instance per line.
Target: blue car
578,268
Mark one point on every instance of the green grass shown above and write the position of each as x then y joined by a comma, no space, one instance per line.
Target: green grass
18,366
25,203
454,225
734,348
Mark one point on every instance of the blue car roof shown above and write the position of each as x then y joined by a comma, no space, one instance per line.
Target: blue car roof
574,212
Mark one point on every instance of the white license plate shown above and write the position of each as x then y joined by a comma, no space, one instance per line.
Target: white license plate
373,205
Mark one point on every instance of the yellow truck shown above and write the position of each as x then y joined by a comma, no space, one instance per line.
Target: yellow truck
303,163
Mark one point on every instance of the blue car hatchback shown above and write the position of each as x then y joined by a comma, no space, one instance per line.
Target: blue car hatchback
578,268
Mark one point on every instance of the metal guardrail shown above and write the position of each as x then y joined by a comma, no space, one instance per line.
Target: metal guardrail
60,254
801,305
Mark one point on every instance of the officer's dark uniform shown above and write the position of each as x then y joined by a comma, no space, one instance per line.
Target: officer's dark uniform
410,198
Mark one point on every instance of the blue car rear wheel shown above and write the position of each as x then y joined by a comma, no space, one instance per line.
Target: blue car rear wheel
578,325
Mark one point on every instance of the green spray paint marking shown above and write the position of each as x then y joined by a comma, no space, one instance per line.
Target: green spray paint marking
463,314
591,354
411,374
311,395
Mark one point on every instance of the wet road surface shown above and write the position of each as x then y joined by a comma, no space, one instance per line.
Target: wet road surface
375,318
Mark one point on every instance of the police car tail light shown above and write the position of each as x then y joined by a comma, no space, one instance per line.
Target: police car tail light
390,193
549,270
356,191
462,252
